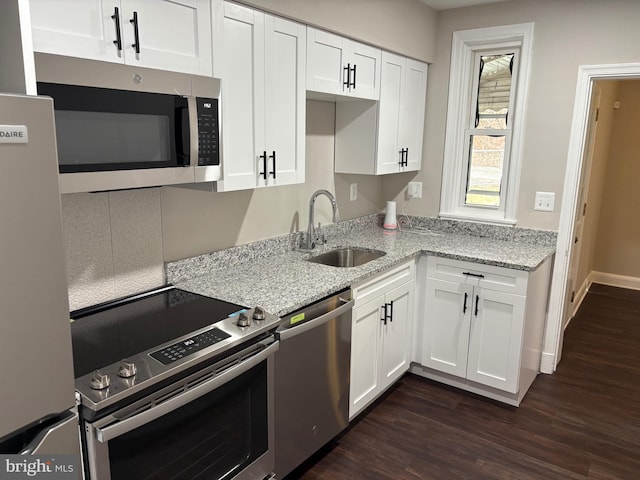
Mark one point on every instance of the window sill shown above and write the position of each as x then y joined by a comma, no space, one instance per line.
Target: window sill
478,218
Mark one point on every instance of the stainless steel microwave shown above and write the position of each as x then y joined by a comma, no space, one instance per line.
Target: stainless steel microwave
126,136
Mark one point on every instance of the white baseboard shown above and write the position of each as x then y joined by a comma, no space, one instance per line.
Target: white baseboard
547,363
614,280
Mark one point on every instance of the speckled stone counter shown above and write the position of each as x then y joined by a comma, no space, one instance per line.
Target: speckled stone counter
273,274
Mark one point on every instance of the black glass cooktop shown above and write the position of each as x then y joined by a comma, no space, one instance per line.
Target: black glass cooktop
109,332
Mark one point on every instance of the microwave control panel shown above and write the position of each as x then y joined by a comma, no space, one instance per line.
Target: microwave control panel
208,145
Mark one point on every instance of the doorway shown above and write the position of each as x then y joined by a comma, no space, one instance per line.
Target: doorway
572,203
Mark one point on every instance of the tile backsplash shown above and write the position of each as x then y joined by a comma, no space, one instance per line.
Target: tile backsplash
113,244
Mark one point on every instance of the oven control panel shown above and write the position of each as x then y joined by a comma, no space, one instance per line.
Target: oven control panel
183,349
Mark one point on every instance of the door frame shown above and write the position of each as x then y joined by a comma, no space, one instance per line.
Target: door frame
587,75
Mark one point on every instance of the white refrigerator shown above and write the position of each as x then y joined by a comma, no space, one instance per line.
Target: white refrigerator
37,402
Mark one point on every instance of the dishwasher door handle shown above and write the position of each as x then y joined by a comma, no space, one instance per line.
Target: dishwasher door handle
300,329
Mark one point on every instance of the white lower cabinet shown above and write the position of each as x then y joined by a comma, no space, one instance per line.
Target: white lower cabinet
381,334
482,326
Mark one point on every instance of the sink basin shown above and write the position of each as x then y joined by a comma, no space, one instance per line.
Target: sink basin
346,257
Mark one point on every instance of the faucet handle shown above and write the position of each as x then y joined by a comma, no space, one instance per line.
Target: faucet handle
320,240
304,242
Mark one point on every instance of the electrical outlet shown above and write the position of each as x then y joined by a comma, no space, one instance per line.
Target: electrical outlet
414,190
353,192
545,201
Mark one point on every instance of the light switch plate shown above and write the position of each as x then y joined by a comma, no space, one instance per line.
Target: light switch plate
545,201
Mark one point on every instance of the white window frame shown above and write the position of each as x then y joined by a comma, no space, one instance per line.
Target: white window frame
465,45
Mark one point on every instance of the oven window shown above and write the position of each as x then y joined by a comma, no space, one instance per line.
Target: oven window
213,437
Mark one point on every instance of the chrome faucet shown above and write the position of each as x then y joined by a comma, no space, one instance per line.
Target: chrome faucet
312,237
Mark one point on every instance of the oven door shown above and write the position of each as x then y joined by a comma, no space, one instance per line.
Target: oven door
215,424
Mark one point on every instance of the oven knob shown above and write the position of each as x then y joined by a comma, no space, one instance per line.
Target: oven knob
127,369
99,380
244,320
258,314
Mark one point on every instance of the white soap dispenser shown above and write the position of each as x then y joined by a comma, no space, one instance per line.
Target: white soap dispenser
390,221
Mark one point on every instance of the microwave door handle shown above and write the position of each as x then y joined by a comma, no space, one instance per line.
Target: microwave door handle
183,142
104,434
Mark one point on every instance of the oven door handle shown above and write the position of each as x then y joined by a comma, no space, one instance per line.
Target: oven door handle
112,431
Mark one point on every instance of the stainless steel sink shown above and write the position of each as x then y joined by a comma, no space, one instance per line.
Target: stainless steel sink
346,257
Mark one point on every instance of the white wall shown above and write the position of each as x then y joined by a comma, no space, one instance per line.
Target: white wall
568,33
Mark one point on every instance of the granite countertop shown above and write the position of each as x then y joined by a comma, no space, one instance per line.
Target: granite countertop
276,277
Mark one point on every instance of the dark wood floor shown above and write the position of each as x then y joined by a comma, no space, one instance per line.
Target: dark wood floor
583,422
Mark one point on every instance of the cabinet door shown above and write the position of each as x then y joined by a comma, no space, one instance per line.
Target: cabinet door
396,333
411,124
173,35
324,62
364,62
76,29
240,62
446,326
495,341
392,81
285,101
330,63
366,343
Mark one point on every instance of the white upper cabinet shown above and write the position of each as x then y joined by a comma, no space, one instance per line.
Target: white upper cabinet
168,35
377,138
340,66
412,111
285,102
77,29
260,60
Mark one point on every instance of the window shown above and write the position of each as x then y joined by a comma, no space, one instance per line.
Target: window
487,91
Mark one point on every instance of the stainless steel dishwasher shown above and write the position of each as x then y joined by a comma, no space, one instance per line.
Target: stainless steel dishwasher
312,379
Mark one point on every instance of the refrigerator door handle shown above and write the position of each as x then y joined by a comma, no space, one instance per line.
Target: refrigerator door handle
51,439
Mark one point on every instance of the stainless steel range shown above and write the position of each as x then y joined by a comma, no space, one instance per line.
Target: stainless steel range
175,385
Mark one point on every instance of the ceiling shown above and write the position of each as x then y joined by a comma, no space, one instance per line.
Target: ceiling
448,4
